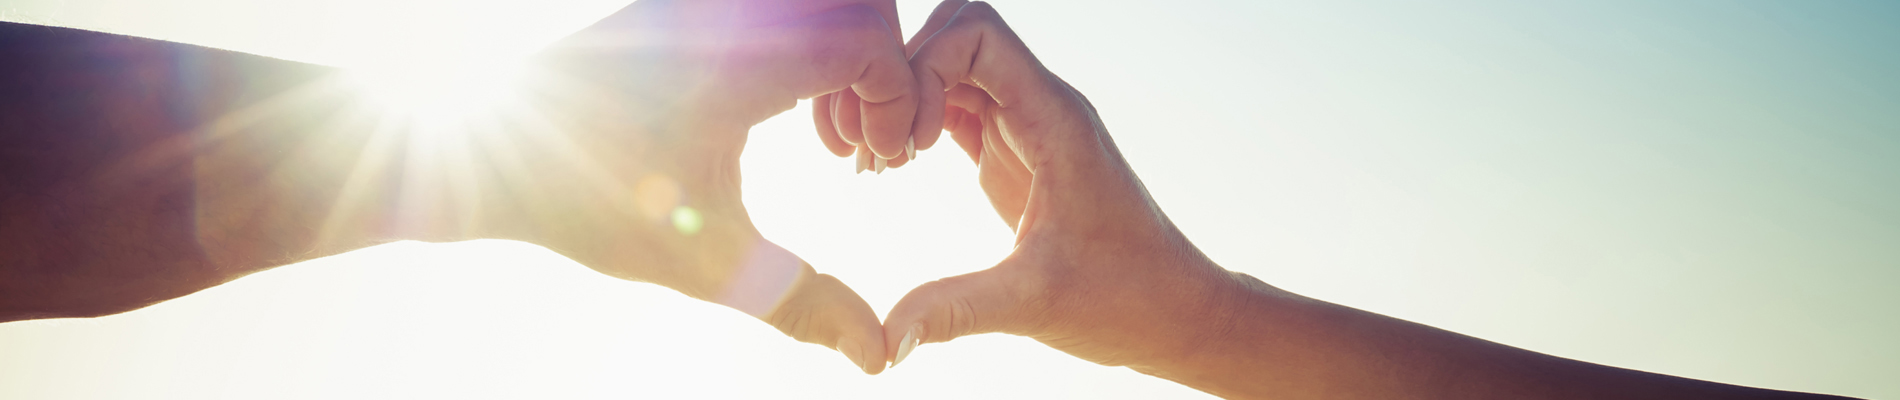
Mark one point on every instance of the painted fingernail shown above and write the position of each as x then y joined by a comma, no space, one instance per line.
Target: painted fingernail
881,163
904,348
911,148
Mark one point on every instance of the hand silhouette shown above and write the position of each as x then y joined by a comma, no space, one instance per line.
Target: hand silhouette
652,107
1098,271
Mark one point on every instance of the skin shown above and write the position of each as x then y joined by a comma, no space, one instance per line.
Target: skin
1099,271
133,171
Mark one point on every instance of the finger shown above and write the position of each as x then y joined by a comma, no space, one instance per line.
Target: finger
848,116
967,130
775,11
938,17
846,47
776,286
827,131
923,137
885,92
823,310
865,160
976,46
945,309
963,117
896,162
885,87
969,98
889,103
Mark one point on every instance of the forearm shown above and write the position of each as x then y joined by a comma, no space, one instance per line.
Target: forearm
134,170
1283,345
138,170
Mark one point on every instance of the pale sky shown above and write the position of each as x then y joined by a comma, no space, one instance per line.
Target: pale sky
1700,188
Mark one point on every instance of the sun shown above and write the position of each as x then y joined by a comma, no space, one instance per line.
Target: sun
439,91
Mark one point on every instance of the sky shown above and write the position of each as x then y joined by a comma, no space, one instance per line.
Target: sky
1708,189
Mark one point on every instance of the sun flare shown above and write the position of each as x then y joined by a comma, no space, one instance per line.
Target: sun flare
439,92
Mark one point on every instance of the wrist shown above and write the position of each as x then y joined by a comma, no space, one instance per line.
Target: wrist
1219,311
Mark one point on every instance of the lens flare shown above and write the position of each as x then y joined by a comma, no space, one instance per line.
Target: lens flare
687,220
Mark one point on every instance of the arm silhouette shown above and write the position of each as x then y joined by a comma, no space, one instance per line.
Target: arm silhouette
133,170
1101,273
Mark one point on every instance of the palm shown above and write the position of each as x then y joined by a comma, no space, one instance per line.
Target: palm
658,99
1086,231
1002,174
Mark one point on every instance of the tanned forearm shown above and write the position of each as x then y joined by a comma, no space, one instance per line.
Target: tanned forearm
1276,344
134,171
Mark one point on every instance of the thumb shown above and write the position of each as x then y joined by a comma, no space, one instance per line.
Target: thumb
979,302
823,311
787,293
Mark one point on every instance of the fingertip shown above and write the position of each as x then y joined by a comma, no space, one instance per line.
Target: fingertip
929,120
896,335
904,327
827,130
845,116
938,16
944,309
900,161
967,130
823,310
913,337
868,336
865,353
874,364
887,125
951,116
924,139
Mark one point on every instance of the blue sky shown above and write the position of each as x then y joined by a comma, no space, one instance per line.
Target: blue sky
1702,188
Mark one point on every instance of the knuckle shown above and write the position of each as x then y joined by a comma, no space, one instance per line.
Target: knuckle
862,24
824,280
982,11
795,323
849,36
963,317
992,24
979,7
934,289
952,312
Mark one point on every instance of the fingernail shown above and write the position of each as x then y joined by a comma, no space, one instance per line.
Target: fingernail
881,163
864,161
834,114
854,352
910,342
911,148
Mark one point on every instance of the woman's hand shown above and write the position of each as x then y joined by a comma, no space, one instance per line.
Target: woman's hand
1098,272
635,169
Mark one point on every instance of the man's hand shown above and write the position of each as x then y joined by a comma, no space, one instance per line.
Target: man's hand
639,178
136,170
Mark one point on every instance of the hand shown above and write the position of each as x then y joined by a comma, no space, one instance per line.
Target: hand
635,170
1098,272
849,123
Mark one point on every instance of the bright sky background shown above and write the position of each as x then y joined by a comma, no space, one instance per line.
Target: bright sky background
1702,188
